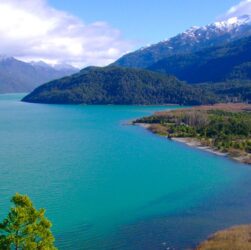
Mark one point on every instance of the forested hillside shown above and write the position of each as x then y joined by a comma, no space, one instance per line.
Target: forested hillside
115,85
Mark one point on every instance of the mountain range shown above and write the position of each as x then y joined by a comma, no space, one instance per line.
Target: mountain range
19,76
218,53
193,40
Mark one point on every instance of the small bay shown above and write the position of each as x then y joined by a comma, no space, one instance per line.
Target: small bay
108,185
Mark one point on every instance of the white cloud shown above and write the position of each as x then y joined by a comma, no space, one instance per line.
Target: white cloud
243,8
32,30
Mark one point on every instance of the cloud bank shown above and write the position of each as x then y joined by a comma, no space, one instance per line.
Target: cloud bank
32,30
243,8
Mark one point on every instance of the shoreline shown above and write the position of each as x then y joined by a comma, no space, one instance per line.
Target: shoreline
195,143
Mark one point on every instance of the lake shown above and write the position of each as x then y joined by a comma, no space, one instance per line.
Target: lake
107,185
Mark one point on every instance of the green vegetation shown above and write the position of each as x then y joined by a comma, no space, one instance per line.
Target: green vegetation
229,91
115,85
224,130
236,238
25,228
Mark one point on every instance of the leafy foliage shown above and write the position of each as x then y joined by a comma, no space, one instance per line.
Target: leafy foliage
26,228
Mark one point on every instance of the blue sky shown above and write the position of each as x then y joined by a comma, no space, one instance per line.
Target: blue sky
147,21
98,32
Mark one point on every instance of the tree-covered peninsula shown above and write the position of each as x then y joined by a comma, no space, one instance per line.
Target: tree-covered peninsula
224,128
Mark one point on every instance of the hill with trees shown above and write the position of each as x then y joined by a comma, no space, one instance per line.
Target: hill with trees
116,85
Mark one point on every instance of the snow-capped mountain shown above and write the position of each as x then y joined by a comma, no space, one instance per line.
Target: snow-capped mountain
233,22
193,39
235,27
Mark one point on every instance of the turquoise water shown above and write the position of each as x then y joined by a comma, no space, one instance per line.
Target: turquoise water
107,185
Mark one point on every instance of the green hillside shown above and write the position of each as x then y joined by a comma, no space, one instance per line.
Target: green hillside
115,85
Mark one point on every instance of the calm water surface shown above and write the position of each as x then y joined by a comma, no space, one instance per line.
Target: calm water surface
107,185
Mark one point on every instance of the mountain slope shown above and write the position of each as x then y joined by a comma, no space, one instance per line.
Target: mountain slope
215,64
115,85
18,76
192,40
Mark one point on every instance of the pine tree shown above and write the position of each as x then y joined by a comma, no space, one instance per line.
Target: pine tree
26,228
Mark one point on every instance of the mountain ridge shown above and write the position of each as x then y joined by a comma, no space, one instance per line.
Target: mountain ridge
214,64
192,40
19,76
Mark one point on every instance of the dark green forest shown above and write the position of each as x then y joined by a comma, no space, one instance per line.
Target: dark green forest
116,85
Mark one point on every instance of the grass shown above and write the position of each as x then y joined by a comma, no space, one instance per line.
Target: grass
235,238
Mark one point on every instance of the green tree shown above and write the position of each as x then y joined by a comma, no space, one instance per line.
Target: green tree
25,227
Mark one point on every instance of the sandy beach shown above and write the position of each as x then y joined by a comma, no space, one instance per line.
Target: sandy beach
197,144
